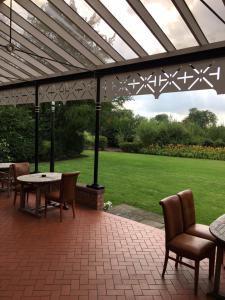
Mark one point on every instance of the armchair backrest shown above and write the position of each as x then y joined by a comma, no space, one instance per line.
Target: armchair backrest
172,216
68,186
188,207
19,169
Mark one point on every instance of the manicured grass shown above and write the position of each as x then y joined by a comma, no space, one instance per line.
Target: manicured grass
142,180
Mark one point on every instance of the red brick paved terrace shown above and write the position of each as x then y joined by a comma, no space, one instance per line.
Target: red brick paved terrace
96,256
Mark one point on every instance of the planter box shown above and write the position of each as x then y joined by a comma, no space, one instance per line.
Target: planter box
90,197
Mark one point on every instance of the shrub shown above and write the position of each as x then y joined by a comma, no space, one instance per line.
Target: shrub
133,147
208,143
4,151
89,140
103,141
44,152
219,143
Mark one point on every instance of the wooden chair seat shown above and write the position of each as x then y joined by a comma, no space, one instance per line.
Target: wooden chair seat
191,247
66,193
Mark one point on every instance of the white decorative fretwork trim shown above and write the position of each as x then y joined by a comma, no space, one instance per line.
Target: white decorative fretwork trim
187,77
68,91
63,91
17,96
207,74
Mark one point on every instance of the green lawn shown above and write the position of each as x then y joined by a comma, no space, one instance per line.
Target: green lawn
142,180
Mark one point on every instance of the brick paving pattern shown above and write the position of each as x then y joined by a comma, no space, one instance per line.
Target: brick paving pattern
96,256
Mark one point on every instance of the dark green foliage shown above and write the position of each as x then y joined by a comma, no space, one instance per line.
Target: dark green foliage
118,123
17,129
132,147
162,118
44,151
4,151
202,118
103,141
208,143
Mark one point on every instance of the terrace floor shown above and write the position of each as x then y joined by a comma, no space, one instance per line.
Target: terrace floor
96,256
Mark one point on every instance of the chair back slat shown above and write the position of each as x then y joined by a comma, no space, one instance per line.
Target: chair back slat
188,207
68,187
172,216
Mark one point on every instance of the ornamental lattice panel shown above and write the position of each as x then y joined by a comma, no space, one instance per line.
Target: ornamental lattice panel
68,91
17,96
187,77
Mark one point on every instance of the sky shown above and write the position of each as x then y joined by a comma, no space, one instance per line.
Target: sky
177,105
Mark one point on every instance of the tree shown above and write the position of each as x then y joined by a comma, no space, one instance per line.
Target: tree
17,131
162,118
202,118
118,123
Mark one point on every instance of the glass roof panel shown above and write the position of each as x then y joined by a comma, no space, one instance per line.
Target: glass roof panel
34,41
212,27
13,65
218,6
22,48
134,25
74,30
100,26
171,22
50,34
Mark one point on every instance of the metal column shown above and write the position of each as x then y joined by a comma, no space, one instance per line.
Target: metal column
52,153
37,110
95,184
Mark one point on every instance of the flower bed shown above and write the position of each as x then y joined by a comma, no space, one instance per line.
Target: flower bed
192,151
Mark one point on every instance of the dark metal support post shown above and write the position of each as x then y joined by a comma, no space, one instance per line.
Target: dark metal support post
37,110
52,154
95,184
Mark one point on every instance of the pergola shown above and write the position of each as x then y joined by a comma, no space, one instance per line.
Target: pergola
65,50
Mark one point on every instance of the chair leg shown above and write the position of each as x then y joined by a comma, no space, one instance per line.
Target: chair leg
196,276
27,196
15,195
211,264
165,262
177,261
45,208
73,209
61,206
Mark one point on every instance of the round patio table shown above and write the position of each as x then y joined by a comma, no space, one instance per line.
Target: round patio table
5,166
217,228
38,181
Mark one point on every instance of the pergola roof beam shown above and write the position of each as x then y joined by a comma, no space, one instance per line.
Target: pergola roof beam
30,46
40,36
117,27
87,29
211,51
18,63
213,11
145,16
7,74
3,79
42,68
191,22
13,70
55,27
